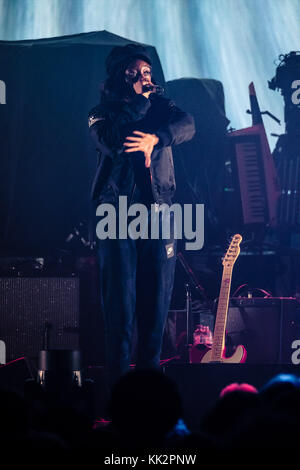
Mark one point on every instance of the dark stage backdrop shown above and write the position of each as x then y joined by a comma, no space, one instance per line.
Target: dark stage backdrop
47,158
200,162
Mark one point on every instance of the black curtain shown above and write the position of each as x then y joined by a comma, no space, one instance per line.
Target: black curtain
200,163
47,157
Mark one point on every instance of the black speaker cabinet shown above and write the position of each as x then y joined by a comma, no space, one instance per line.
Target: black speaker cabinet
38,313
269,328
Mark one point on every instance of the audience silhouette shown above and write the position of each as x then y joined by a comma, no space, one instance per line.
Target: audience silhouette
146,414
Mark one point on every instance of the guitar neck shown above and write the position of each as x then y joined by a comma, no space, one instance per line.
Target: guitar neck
221,317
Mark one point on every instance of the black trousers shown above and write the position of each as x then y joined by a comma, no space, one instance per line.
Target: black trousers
136,279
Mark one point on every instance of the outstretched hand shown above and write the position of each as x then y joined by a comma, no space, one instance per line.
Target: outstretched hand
141,143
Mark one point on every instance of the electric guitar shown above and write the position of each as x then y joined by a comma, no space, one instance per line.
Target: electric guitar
217,351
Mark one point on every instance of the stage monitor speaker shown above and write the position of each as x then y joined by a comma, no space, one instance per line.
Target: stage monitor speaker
38,313
269,328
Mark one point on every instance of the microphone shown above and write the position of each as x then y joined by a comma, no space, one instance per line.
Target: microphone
156,88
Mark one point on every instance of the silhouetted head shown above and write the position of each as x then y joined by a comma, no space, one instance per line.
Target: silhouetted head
228,411
13,414
280,383
236,387
145,403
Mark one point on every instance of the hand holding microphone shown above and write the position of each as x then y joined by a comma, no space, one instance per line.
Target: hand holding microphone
146,88
153,88
149,88
143,88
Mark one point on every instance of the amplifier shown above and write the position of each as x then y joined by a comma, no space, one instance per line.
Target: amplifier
38,313
269,328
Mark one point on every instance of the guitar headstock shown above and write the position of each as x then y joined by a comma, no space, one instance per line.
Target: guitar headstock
233,250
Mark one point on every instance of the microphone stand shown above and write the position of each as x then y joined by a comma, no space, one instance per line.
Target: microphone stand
192,277
189,319
188,301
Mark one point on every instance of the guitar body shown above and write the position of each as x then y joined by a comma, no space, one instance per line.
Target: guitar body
238,357
198,352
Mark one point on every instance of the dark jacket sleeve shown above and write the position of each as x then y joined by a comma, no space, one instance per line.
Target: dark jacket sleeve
179,127
109,129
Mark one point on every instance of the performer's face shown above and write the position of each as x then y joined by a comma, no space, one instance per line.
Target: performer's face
138,70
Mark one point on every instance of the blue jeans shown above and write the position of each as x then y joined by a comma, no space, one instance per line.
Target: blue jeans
136,279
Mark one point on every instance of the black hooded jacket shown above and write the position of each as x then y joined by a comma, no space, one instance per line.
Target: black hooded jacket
120,173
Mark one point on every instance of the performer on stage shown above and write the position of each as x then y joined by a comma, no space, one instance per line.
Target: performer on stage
133,128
